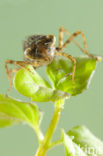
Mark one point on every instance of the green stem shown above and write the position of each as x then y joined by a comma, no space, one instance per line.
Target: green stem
56,143
40,135
45,144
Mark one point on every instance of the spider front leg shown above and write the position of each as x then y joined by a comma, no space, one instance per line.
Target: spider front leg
62,45
70,58
20,64
10,71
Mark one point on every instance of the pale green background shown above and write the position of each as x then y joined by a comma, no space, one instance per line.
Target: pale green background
25,17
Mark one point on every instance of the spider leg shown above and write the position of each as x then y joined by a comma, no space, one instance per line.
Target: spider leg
20,64
10,77
70,58
62,45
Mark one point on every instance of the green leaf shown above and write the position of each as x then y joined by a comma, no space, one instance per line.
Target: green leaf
46,94
27,83
70,147
61,67
6,121
14,111
88,142
30,84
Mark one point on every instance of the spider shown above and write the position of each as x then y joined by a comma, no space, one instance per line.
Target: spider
40,50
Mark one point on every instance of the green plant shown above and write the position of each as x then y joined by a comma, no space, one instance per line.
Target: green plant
78,141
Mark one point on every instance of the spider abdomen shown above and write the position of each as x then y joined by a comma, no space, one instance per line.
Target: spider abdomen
39,47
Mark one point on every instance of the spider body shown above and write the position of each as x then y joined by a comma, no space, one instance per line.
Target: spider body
40,50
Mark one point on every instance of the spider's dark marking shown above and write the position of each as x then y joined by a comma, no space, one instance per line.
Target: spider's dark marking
38,47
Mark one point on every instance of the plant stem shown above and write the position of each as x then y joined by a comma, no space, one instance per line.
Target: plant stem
56,143
39,135
45,144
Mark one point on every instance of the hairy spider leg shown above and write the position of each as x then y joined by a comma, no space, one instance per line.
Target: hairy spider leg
72,59
20,64
62,45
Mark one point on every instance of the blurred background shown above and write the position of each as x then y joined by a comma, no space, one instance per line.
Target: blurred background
26,17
